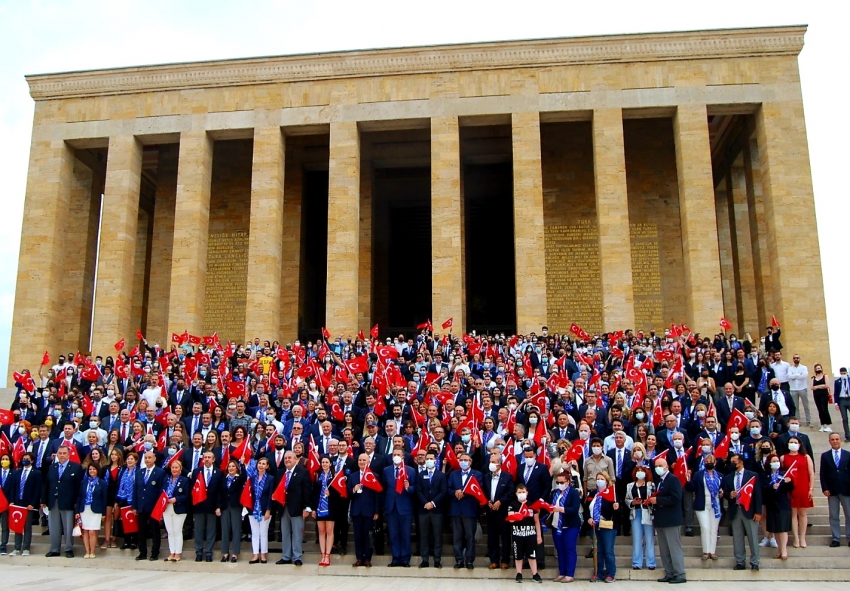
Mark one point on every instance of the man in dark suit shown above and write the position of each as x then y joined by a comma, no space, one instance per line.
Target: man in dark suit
296,509
835,484
743,521
60,498
667,521
841,387
68,440
664,437
623,466
781,442
498,487
365,505
431,494
726,403
148,486
204,513
398,507
771,339
275,455
24,489
463,509
111,418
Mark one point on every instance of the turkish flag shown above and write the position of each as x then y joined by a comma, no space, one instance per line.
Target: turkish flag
6,417
722,449
194,340
313,462
680,468
199,491
4,503
608,494
387,352
425,325
326,334
725,324
72,452
541,505
473,489
358,364
247,496
279,493
576,451
45,360
119,345
235,389
139,334
745,495
451,458
18,377
90,374
737,419
17,518
657,415
579,332
18,451
336,412
371,481
244,452
664,355
159,508
521,514
87,405
29,384
424,440
129,520
121,371
431,378
175,338
399,481
360,335
774,322
374,332
448,323
338,484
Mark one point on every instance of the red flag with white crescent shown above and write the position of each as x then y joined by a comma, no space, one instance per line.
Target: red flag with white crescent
371,481
129,520
17,518
473,489
745,496
199,490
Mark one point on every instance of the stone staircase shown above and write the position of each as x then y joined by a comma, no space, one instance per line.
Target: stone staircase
817,562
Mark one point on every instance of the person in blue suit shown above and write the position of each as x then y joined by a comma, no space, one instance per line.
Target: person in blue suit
5,484
262,485
91,505
148,486
24,490
364,508
463,509
204,513
566,524
178,491
398,507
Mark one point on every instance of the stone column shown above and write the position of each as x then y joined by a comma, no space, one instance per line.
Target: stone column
758,233
191,233
612,219
37,301
265,237
364,317
747,296
528,223
290,282
448,279
113,300
726,251
792,234
341,310
699,222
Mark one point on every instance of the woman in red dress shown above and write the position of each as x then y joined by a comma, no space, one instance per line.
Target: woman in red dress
802,473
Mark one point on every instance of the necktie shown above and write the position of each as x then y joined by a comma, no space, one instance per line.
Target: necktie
147,475
23,482
837,455
61,470
5,474
41,449
207,476
124,432
465,477
397,473
527,474
277,461
738,477
288,476
195,426
197,457
619,463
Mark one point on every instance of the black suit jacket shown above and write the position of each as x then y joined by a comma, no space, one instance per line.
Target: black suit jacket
835,479
668,502
230,498
626,470
65,490
32,488
728,486
724,413
299,491
504,491
430,490
213,488
539,483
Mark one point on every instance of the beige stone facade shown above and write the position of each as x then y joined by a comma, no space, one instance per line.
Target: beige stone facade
651,178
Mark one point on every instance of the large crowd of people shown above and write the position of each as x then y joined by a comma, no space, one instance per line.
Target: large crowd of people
514,442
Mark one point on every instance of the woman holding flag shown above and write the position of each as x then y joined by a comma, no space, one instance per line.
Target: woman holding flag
643,534
323,514
800,468
257,498
566,524
177,490
776,492
601,518
124,495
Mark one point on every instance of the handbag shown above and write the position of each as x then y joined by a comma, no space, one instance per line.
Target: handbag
606,524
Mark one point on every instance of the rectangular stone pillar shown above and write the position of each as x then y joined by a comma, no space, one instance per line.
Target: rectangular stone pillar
341,310
290,297
726,251
529,248
747,297
797,278
37,301
699,222
265,237
448,279
364,318
113,300
758,233
191,233
162,245
612,220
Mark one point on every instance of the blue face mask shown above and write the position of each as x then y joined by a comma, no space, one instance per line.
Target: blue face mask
465,438
148,446
464,465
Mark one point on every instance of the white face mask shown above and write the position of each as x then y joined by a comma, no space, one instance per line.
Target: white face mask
793,447
701,414
706,449
793,428
597,451
530,462
521,497
494,468
562,486
397,460
638,455
677,443
430,464
734,436
775,465
601,484
640,475
660,470
532,421
583,435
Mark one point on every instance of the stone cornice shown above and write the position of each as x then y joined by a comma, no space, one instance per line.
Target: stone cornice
423,60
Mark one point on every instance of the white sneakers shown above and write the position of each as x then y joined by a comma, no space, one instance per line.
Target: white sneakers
25,553
773,543
764,542
825,429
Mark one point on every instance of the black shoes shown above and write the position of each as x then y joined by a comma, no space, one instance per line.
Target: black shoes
199,558
438,564
665,579
834,544
424,564
52,554
689,532
677,580
297,562
740,567
282,561
69,554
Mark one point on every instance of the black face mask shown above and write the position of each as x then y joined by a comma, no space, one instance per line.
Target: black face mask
709,466
775,387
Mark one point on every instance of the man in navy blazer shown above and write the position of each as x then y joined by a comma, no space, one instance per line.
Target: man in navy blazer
398,507
667,520
67,439
205,512
743,520
28,496
60,497
726,403
431,487
364,509
835,484
498,487
149,484
463,509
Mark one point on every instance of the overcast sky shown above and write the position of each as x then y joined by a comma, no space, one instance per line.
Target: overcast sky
39,37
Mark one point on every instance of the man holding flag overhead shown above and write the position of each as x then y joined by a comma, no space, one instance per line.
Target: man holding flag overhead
399,494
744,511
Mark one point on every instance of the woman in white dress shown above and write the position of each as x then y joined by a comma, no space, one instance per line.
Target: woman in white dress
91,505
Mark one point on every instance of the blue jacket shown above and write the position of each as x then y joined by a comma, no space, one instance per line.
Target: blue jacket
572,504
468,506
145,496
697,486
265,495
98,499
32,488
399,503
182,493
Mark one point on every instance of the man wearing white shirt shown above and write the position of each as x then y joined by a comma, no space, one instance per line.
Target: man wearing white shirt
798,382
780,369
